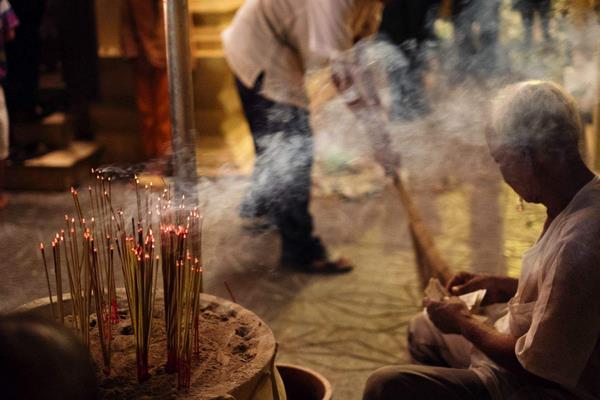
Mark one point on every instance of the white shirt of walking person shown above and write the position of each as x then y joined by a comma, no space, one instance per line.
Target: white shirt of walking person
282,39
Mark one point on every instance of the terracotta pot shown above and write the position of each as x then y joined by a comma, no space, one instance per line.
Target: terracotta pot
302,383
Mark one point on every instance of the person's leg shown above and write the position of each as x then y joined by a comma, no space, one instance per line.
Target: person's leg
417,382
4,147
162,122
291,156
527,18
144,92
544,9
23,58
542,393
257,200
428,346
462,19
488,16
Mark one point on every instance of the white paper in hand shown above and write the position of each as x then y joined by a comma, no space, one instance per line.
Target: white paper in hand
436,292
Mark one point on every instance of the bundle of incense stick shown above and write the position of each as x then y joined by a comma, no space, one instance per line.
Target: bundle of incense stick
189,287
85,248
140,266
181,238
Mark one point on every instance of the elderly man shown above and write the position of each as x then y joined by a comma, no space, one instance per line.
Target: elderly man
270,46
539,339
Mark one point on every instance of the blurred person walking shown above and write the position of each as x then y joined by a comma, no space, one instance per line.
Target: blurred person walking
270,46
23,58
69,28
8,23
408,24
528,9
476,28
143,41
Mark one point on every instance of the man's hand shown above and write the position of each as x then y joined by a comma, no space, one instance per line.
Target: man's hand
447,315
499,289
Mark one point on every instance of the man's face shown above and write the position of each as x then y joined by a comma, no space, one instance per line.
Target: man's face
516,166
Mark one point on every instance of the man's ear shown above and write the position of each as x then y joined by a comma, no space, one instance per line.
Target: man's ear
537,160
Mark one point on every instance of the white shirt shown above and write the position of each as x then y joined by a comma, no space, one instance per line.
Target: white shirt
556,311
283,38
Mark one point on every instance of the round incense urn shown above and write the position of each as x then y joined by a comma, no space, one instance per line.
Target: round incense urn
237,361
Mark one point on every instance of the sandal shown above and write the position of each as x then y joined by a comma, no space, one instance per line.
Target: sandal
324,266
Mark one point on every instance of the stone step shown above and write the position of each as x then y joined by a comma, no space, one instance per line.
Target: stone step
57,170
56,131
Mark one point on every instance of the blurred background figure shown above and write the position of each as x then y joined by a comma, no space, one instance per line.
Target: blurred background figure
23,57
8,23
270,46
69,34
408,24
528,9
476,27
143,41
43,360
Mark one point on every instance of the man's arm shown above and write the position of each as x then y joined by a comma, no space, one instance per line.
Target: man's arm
453,317
499,347
499,289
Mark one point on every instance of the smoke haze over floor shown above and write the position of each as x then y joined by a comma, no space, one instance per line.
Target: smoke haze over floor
346,326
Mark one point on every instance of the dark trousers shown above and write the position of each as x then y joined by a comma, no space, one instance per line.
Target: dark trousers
420,382
281,181
23,58
417,382
407,24
476,53
528,10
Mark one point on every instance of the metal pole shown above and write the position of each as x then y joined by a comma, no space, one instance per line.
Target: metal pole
181,96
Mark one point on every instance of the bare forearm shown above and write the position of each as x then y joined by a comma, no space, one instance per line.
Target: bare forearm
497,346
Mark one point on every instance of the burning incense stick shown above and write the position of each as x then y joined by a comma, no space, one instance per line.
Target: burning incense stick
47,280
57,274
140,271
182,282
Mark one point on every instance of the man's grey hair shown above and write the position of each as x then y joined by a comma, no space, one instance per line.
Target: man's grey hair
537,114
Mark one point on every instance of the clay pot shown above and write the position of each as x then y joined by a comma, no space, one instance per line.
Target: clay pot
302,383
260,383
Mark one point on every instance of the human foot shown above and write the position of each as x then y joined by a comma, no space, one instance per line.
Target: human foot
326,267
